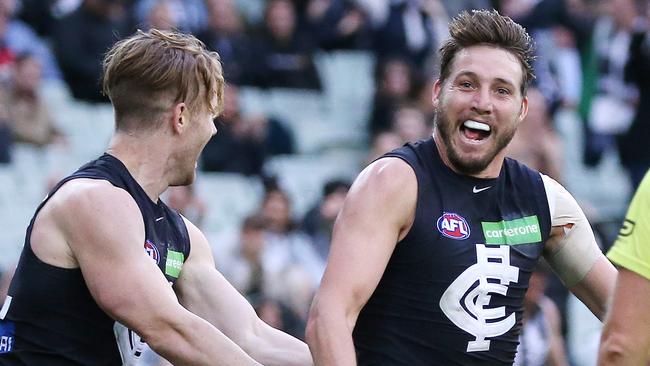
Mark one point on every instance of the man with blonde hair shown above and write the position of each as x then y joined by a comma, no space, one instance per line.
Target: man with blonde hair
85,292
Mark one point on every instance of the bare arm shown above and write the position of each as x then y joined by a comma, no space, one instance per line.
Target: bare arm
378,212
597,287
626,336
205,292
104,229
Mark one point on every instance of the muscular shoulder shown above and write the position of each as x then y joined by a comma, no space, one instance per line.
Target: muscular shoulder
389,174
82,202
385,190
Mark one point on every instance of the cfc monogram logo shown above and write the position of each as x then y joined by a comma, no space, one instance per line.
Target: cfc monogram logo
468,309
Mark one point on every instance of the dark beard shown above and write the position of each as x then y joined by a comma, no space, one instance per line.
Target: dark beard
471,167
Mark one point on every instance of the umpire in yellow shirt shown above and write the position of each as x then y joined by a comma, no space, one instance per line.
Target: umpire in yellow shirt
626,336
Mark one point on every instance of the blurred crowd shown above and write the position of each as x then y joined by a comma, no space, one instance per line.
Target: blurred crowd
593,60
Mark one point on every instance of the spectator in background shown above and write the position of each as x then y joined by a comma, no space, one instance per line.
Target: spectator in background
244,266
244,142
540,342
292,268
80,40
189,15
536,143
20,38
161,16
410,124
280,317
338,24
382,143
226,35
633,145
26,113
284,53
412,29
394,80
319,220
184,200
559,32
609,105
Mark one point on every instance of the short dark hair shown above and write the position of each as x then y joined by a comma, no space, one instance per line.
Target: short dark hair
488,27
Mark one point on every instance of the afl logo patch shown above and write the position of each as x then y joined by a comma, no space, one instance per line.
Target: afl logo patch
453,226
152,251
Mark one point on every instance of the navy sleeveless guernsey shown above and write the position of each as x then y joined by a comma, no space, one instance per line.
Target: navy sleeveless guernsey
452,292
50,318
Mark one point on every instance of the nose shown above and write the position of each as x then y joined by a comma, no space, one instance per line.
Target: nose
482,101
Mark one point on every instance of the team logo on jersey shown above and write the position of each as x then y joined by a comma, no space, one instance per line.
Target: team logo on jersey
453,226
466,302
152,251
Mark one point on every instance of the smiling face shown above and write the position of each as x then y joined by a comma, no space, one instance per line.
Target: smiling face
479,107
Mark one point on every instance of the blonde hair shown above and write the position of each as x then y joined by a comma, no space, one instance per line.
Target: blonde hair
145,73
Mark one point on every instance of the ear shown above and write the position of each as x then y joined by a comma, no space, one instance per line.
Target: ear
435,96
524,109
179,118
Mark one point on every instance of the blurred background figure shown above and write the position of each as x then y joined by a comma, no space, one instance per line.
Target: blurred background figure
338,24
161,16
611,99
243,143
412,29
184,200
536,143
19,37
292,267
188,15
319,220
633,144
410,124
284,52
26,112
394,82
541,341
243,266
80,40
227,35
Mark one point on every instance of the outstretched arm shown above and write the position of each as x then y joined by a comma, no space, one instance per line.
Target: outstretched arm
378,211
206,293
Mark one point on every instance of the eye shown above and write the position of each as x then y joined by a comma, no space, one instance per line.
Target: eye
503,91
466,84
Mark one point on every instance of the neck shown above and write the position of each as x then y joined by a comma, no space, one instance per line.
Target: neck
146,161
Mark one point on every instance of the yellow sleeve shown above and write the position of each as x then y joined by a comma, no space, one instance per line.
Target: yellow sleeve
632,247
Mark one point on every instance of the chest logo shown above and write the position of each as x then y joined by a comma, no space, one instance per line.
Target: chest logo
152,251
453,226
467,305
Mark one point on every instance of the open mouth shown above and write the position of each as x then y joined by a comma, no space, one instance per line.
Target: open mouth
474,130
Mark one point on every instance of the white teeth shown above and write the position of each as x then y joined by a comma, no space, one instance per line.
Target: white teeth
477,125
